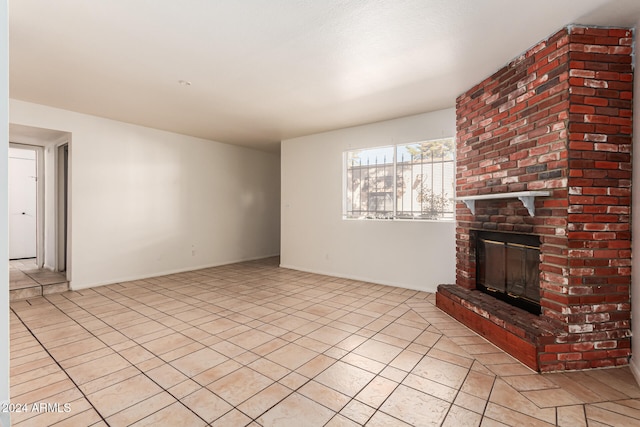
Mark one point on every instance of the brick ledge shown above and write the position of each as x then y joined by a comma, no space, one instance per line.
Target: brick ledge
516,331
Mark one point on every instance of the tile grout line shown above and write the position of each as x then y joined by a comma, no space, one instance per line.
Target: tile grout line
108,346
60,366
353,399
132,364
236,407
189,377
486,403
93,309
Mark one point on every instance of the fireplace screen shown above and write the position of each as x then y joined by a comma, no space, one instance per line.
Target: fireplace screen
508,266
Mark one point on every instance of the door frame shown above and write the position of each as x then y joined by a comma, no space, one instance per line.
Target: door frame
62,206
52,237
39,198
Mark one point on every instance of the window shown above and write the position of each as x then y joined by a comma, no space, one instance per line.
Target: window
407,181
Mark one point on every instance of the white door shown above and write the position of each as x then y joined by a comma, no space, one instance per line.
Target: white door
22,203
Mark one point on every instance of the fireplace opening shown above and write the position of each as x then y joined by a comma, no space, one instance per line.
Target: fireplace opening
508,268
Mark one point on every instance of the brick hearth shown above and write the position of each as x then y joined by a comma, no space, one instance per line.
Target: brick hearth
558,118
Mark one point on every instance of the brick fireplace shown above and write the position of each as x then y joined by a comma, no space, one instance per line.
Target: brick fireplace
544,150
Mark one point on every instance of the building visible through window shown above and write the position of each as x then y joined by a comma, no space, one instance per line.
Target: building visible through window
407,181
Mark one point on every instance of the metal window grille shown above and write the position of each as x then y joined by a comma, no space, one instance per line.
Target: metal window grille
410,181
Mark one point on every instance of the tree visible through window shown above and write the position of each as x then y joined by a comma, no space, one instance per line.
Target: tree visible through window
408,181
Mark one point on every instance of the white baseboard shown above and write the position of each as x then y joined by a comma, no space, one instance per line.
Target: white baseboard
74,287
358,278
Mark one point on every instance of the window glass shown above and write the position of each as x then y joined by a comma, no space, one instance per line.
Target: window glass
408,181
370,183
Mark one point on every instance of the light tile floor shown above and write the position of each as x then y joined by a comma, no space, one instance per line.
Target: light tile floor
254,344
26,280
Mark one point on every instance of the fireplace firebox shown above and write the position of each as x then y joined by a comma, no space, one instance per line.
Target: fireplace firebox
508,268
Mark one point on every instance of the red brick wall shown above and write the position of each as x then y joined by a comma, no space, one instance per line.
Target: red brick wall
558,118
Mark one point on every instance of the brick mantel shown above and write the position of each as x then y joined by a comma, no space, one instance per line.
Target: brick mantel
558,119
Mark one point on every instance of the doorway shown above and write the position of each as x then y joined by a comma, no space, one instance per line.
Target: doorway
51,149
23,194
38,225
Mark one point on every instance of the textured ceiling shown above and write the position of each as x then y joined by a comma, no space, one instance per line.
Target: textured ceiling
266,70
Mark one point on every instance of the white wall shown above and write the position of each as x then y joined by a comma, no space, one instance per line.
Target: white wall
145,202
4,209
635,224
410,254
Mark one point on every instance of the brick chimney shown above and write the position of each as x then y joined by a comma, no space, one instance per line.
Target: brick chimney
557,119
